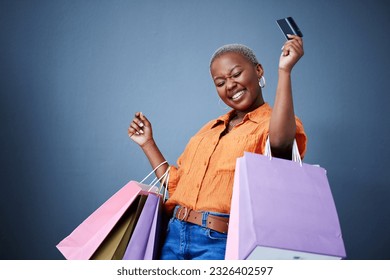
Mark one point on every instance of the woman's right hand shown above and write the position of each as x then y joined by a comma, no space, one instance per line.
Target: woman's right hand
140,130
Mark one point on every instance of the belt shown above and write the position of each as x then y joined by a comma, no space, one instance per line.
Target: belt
213,222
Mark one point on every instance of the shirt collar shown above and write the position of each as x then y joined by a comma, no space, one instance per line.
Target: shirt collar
254,116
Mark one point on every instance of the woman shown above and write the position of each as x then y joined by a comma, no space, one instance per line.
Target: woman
200,187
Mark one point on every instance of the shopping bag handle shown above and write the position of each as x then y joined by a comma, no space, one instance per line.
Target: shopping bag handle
164,179
296,157
154,170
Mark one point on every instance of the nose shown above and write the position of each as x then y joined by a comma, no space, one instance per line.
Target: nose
230,83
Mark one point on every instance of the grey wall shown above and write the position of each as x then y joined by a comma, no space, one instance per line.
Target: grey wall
72,73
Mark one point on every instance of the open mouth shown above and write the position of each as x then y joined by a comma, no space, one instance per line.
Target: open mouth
238,95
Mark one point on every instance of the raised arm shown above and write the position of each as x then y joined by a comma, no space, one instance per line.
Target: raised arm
140,131
282,124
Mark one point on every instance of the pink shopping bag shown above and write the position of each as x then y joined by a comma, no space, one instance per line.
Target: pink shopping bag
86,238
233,237
282,210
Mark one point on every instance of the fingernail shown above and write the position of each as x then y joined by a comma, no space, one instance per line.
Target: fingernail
137,133
141,124
141,131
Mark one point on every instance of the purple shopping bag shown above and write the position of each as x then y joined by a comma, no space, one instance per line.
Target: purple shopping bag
285,211
87,237
138,248
153,245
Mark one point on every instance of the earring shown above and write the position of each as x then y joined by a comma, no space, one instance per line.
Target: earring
262,82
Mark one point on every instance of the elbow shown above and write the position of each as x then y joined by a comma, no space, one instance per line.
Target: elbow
281,147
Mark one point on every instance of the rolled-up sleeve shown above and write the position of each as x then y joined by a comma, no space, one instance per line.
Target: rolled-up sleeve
173,179
174,176
300,137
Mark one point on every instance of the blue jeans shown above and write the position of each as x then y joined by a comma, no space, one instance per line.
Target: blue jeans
187,241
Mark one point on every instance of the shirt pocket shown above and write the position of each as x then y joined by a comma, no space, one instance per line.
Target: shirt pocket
233,148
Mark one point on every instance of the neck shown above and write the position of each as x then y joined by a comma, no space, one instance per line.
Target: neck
255,105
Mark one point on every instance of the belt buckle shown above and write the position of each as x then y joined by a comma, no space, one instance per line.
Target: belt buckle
185,213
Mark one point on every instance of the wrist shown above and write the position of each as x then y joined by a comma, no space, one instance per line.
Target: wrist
148,144
284,71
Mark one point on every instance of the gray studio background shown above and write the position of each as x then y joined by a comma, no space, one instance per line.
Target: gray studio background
73,73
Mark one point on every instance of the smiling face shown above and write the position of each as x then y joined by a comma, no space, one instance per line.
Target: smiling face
237,81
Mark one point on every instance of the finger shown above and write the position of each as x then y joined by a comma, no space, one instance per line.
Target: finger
292,46
138,120
136,128
131,132
297,49
286,50
292,51
295,38
144,120
295,42
298,44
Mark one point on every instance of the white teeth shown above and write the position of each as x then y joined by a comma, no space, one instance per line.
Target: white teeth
238,95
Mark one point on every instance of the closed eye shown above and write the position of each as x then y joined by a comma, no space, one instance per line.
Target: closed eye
237,74
220,84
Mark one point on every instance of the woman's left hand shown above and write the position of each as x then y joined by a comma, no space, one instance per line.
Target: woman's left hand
292,51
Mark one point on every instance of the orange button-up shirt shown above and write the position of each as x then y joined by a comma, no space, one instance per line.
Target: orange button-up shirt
203,178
